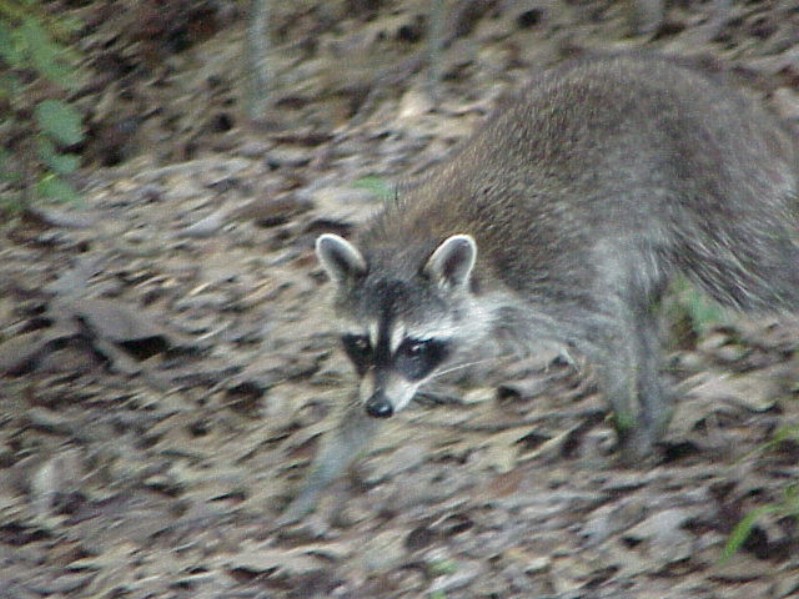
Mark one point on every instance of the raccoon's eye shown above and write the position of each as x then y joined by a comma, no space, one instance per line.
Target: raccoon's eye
416,358
415,349
359,350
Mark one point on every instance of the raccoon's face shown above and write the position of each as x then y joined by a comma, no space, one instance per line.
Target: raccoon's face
402,321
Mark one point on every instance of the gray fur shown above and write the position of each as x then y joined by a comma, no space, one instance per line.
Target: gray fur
565,216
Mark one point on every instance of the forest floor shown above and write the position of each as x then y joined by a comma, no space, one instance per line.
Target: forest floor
170,365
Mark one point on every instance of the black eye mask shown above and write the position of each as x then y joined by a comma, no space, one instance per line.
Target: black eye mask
414,359
359,350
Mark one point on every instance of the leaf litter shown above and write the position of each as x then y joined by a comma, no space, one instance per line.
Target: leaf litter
170,368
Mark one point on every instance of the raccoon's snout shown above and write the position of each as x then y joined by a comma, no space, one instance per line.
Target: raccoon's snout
378,406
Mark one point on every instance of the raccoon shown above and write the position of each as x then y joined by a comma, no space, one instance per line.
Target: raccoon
562,221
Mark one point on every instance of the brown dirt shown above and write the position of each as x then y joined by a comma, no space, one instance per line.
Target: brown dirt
169,366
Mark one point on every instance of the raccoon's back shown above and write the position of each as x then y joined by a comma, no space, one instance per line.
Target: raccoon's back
635,151
586,137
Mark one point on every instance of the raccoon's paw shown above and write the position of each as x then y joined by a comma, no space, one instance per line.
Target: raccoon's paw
637,445
638,436
635,448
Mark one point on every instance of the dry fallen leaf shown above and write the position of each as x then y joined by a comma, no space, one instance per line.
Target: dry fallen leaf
58,476
115,321
21,353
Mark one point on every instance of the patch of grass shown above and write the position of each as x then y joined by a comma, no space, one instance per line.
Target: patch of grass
787,507
623,422
377,185
701,312
688,313
442,567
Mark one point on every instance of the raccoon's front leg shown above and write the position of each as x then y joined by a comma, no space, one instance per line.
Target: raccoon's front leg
339,449
627,364
656,402
616,371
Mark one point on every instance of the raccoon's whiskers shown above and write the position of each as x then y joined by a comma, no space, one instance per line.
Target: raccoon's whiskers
457,367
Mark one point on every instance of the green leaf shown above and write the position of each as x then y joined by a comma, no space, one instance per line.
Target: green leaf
56,188
59,162
704,312
11,203
64,164
377,185
10,48
47,57
787,433
11,86
60,121
6,174
791,501
70,25
442,567
36,39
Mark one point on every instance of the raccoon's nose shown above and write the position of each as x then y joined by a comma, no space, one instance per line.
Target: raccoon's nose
378,406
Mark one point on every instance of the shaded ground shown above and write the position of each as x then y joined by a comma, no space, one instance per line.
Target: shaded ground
169,366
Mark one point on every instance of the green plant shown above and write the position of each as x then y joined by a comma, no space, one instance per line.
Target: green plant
37,70
701,311
442,567
788,506
377,186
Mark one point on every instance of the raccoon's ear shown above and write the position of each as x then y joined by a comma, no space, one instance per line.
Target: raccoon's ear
341,260
452,262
